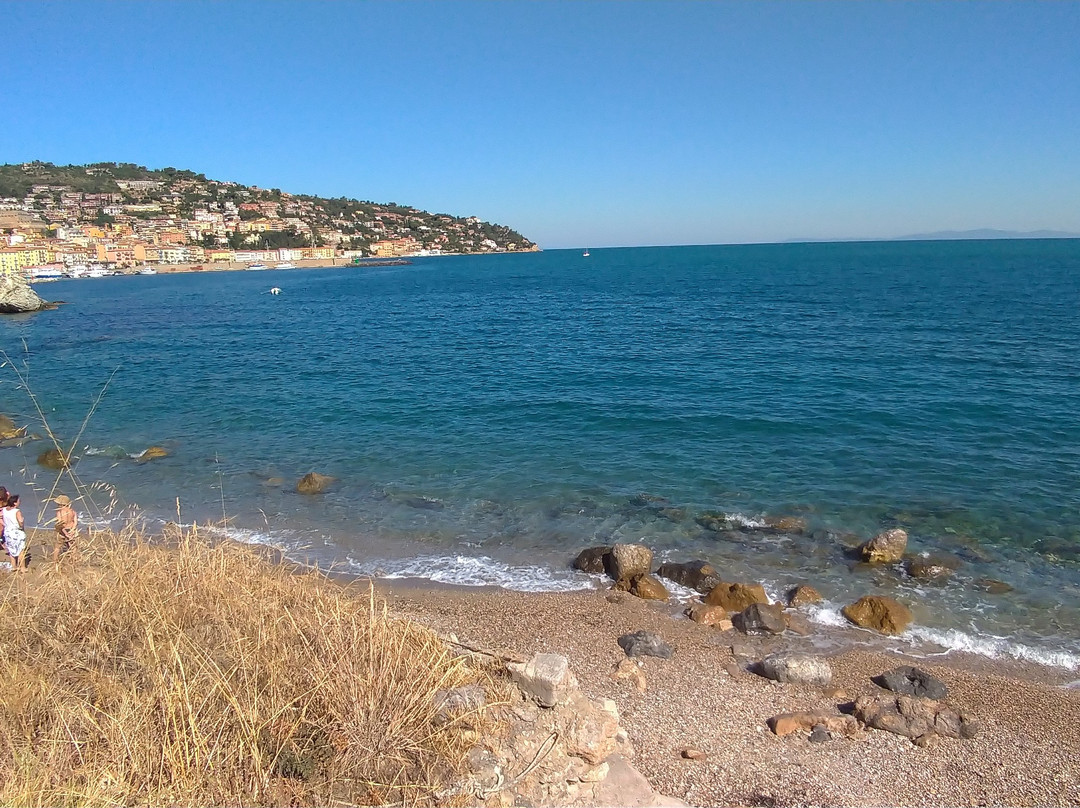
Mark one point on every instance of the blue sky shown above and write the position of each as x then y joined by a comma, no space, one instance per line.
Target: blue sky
578,123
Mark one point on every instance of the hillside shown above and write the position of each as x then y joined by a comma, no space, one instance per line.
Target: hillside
213,213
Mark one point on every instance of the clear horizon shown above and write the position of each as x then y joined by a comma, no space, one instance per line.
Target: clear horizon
598,124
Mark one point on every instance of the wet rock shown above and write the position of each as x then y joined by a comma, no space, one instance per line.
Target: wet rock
878,613
546,678
716,522
796,668
707,615
993,586
803,595
699,575
736,597
628,561
151,453
931,569
594,560
797,624
644,643
909,681
53,459
761,618
648,588
787,723
886,547
786,524
313,483
671,514
914,718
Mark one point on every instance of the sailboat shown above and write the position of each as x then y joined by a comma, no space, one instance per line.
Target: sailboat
586,253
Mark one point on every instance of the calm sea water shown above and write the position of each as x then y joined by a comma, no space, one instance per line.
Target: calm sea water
488,417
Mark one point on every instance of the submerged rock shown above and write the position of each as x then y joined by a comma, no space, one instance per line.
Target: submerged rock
929,569
886,547
993,586
786,524
152,453
878,613
53,459
313,483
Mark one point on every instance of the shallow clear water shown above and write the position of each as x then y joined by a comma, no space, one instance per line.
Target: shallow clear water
487,417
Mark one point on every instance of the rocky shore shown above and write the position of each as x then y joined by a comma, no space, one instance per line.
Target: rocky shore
16,296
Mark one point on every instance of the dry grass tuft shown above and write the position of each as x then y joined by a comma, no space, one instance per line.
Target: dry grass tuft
201,674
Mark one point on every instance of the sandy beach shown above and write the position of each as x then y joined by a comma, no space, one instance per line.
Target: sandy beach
1026,753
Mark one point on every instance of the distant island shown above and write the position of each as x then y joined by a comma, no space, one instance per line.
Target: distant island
122,215
951,235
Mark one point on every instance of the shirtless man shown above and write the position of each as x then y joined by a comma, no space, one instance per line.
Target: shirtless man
67,530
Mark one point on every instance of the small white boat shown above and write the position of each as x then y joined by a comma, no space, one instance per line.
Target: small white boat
275,290
285,265
586,253
256,267
97,272
148,271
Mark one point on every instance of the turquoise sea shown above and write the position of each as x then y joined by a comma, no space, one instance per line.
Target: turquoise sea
488,417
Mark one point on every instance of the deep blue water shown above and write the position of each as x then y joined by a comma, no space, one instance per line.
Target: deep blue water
508,408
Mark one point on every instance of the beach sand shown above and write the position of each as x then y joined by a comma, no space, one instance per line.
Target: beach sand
1026,753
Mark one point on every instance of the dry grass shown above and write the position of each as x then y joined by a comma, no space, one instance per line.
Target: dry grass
201,674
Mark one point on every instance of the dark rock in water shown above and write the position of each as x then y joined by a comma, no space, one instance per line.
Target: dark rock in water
886,547
697,575
819,734
313,483
647,500
716,522
761,618
425,503
644,643
910,681
914,718
736,597
803,595
595,560
786,524
671,514
933,568
993,586
628,561
53,459
878,613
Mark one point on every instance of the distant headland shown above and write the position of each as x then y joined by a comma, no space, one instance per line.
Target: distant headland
122,215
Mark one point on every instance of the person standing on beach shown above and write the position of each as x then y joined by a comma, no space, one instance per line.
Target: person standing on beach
67,527
15,533
3,502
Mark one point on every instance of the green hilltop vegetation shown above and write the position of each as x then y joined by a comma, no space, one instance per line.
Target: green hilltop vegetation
111,193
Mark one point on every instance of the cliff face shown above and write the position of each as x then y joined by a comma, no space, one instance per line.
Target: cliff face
16,297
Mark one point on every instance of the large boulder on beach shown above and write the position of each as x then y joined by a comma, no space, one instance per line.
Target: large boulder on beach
878,613
803,669
16,296
761,618
53,459
699,575
886,547
628,561
644,643
594,560
736,597
909,681
313,483
707,615
647,587
915,718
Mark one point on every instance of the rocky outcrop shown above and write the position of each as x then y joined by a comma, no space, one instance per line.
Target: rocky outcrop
736,597
628,561
16,297
313,483
761,618
886,547
546,678
593,560
915,718
881,614
802,669
54,459
152,453
697,575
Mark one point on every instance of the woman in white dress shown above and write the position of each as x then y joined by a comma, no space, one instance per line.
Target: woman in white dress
15,533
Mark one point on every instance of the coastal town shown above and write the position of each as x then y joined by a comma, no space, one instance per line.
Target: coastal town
107,218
